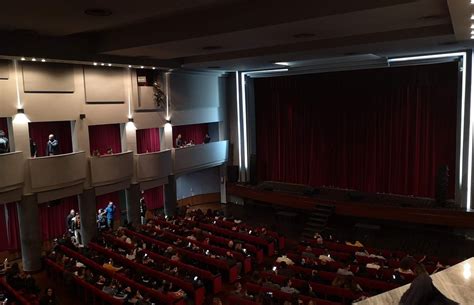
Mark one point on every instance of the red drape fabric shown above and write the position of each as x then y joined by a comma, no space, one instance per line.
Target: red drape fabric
103,200
195,132
148,140
53,218
4,125
381,130
154,198
103,137
39,132
9,229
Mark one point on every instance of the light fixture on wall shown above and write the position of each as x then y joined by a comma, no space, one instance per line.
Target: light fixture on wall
130,120
168,121
23,59
43,60
20,110
82,116
33,59
95,64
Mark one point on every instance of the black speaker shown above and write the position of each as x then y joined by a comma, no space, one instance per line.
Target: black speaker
253,169
232,173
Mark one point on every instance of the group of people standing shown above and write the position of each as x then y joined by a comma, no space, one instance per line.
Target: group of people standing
179,142
52,146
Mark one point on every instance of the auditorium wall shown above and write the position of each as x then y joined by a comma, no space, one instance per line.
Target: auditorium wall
197,183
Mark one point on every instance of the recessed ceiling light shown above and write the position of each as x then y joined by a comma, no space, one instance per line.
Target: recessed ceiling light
95,64
98,12
472,36
472,17
141,67
472,1
23,58
33,59
210,48
129,66
110,65
153,68
43,60
282,63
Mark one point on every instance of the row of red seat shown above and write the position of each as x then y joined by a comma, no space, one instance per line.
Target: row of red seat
246,261
214,279
167,299
20,298
230,271
252,249
58,271
198,293
256,289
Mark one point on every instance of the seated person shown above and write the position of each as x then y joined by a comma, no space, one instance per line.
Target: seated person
110,266
405,265
288,288
345,270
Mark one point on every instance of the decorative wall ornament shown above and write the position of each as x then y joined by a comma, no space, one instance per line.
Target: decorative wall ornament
159,97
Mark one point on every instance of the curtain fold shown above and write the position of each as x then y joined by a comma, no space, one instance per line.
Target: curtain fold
195,132
105,137
9,228
39,132
4,125
148,140
53,218
154,198
380,130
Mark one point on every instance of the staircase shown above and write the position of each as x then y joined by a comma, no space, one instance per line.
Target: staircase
318,219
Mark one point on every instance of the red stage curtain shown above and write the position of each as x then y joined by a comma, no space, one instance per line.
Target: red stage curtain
103,137
103,200
154,198
53,219
39,132
195,132
4,125
148,140
381,130
9,229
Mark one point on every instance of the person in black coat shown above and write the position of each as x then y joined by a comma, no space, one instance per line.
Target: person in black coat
49,298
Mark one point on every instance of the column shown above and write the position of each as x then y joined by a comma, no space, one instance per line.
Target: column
223,182
170,196
133,204
87,210
30,237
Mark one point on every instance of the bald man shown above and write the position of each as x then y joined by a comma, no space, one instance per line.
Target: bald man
52,147
4,146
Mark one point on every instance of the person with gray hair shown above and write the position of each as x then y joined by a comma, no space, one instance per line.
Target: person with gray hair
4,146
52,147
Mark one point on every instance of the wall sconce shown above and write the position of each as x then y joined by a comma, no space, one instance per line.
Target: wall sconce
168,121
20,110
130,119
82,116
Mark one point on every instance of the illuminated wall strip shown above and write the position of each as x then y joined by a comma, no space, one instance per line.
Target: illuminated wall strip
167,88
18,99
237,89
244,116
471,117
463,102
130,93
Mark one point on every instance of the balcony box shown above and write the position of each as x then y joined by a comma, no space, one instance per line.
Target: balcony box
111,169
200,156
153,166
12,176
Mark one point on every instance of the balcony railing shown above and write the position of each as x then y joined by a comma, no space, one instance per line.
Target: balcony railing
54,172
12,171
152,166
200,156
109,169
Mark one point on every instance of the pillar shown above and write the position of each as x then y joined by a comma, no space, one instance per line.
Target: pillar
223,182
133,204
88,213
170,196
30,237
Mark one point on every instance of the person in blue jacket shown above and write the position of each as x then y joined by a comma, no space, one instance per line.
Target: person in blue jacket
109,214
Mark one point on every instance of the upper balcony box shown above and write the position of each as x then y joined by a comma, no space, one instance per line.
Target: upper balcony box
11,165
110,169
55,172
153,166
200,156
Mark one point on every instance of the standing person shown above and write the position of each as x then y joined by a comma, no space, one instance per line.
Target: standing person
76,228
49,298
33,148
4,146
109,213
101,220
179,141
142,208
207,139
52,147
69,218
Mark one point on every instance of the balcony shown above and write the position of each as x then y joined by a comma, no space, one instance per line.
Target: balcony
153,166
55,172
111,169
200,156
12,165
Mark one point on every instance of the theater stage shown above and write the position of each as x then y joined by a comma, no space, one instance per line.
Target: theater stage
384,207
455,283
